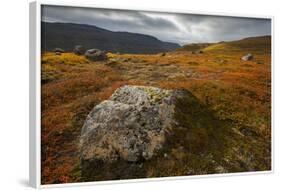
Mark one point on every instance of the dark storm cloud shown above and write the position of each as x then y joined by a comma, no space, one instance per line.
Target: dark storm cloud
117,20
179,28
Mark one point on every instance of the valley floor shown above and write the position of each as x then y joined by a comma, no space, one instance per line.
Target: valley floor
237,92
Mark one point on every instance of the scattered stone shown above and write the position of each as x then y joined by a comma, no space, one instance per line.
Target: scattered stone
58,53
199,52
79,50
260,62
59,50
95,55
247,57
163,54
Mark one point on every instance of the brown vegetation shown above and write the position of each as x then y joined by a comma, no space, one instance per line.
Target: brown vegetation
237,92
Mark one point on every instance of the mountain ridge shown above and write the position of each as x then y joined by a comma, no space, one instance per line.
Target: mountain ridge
67,35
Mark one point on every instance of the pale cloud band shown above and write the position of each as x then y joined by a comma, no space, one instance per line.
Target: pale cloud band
179,28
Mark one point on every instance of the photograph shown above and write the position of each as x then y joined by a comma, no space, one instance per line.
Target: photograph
137,94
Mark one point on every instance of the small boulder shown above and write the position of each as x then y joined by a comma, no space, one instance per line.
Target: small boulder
58,50
199,52
163,54
58,53
79,50
95,55
247,57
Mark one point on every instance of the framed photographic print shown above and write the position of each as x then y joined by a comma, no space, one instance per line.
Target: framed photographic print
120,94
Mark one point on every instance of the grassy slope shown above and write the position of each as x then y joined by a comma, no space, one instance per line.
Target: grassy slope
236,93
258,45
194,47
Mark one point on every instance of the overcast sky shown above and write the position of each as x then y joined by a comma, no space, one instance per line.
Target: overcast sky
179,28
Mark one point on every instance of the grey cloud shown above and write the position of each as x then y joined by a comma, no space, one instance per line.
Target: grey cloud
179,28
118,20
202,28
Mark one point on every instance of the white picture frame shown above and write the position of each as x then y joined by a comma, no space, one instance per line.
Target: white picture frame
35,94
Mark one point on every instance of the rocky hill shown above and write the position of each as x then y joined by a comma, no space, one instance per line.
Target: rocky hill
67,35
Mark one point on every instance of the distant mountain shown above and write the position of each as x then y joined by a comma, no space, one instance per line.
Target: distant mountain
67,35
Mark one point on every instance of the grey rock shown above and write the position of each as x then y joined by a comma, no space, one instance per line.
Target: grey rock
95,55
58,50
79,50
130,125
247,57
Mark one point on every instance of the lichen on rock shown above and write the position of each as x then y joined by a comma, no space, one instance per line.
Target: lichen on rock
130,125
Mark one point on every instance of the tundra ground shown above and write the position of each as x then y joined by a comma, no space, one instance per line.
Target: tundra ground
236,92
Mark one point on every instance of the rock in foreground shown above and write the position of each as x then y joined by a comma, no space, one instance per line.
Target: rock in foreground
130,125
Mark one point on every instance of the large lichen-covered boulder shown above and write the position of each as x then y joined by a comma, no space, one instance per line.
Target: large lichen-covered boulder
130,125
